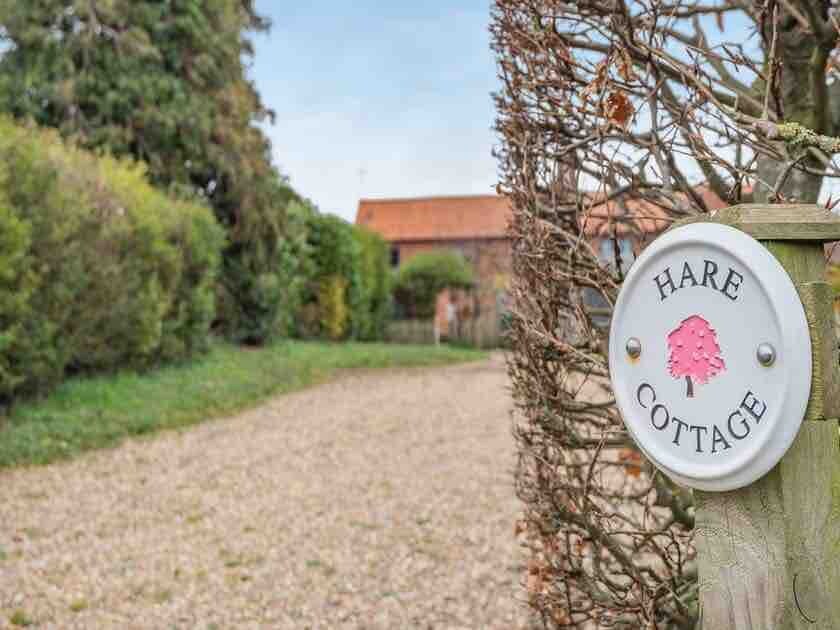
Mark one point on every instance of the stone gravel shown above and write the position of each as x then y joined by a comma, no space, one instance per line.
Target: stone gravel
382,499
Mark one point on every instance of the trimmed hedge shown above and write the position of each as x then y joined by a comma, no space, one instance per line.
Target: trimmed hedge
98,270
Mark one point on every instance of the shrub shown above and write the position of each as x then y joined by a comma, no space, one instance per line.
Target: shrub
258,266
332,253
308,321
295,267
165,82
333,249
333,307
16,285
374,304
199,240
99,269
421,278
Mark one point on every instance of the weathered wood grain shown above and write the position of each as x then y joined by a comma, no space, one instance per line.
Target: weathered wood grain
740,556
810,474
753,543
804,262
783,222
769,554
818,299
776,222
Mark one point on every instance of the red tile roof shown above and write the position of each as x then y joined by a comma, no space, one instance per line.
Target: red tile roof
487,216
436,218
636,215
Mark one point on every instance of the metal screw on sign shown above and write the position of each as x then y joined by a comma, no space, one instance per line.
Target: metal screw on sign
766,354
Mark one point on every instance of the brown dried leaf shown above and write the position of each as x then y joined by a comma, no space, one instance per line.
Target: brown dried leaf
599,81
632,462
618,109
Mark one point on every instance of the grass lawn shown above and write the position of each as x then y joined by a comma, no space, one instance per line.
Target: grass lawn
87,413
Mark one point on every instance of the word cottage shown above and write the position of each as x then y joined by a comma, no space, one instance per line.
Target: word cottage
703,438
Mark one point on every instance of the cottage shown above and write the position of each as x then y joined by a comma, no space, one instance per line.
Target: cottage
476,226
630,224
473,225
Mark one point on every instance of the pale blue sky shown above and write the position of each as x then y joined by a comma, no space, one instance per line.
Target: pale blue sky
378,99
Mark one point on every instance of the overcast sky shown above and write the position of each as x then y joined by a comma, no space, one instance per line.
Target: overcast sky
379,99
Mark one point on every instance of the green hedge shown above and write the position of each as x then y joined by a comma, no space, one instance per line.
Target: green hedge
296,267
97,269
420,279
259,267
374,305
346,292
334,259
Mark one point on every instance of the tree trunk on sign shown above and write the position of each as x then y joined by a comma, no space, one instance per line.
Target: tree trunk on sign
689,387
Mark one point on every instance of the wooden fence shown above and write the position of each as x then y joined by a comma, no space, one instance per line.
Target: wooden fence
484,331
413,331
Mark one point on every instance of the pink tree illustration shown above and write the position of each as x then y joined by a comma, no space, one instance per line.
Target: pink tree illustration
694,352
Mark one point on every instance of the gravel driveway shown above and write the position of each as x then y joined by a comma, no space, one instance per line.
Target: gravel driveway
380,500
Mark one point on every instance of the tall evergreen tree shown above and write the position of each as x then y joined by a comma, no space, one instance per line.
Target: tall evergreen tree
163,81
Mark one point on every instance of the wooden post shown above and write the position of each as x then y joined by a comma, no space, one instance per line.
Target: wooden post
769,554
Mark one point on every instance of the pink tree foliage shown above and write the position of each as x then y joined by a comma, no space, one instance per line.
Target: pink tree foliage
695,353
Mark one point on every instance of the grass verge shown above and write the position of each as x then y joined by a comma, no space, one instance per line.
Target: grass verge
96,412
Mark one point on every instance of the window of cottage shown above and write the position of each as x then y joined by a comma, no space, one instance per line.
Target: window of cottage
606,253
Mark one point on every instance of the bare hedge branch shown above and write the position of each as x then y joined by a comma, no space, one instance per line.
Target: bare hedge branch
616,119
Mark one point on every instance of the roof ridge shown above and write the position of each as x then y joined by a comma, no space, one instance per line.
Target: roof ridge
436,217
429,198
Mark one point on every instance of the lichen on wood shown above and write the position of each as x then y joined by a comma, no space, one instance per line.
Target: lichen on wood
797,136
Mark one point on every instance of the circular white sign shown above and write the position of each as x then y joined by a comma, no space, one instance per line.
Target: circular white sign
710,356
